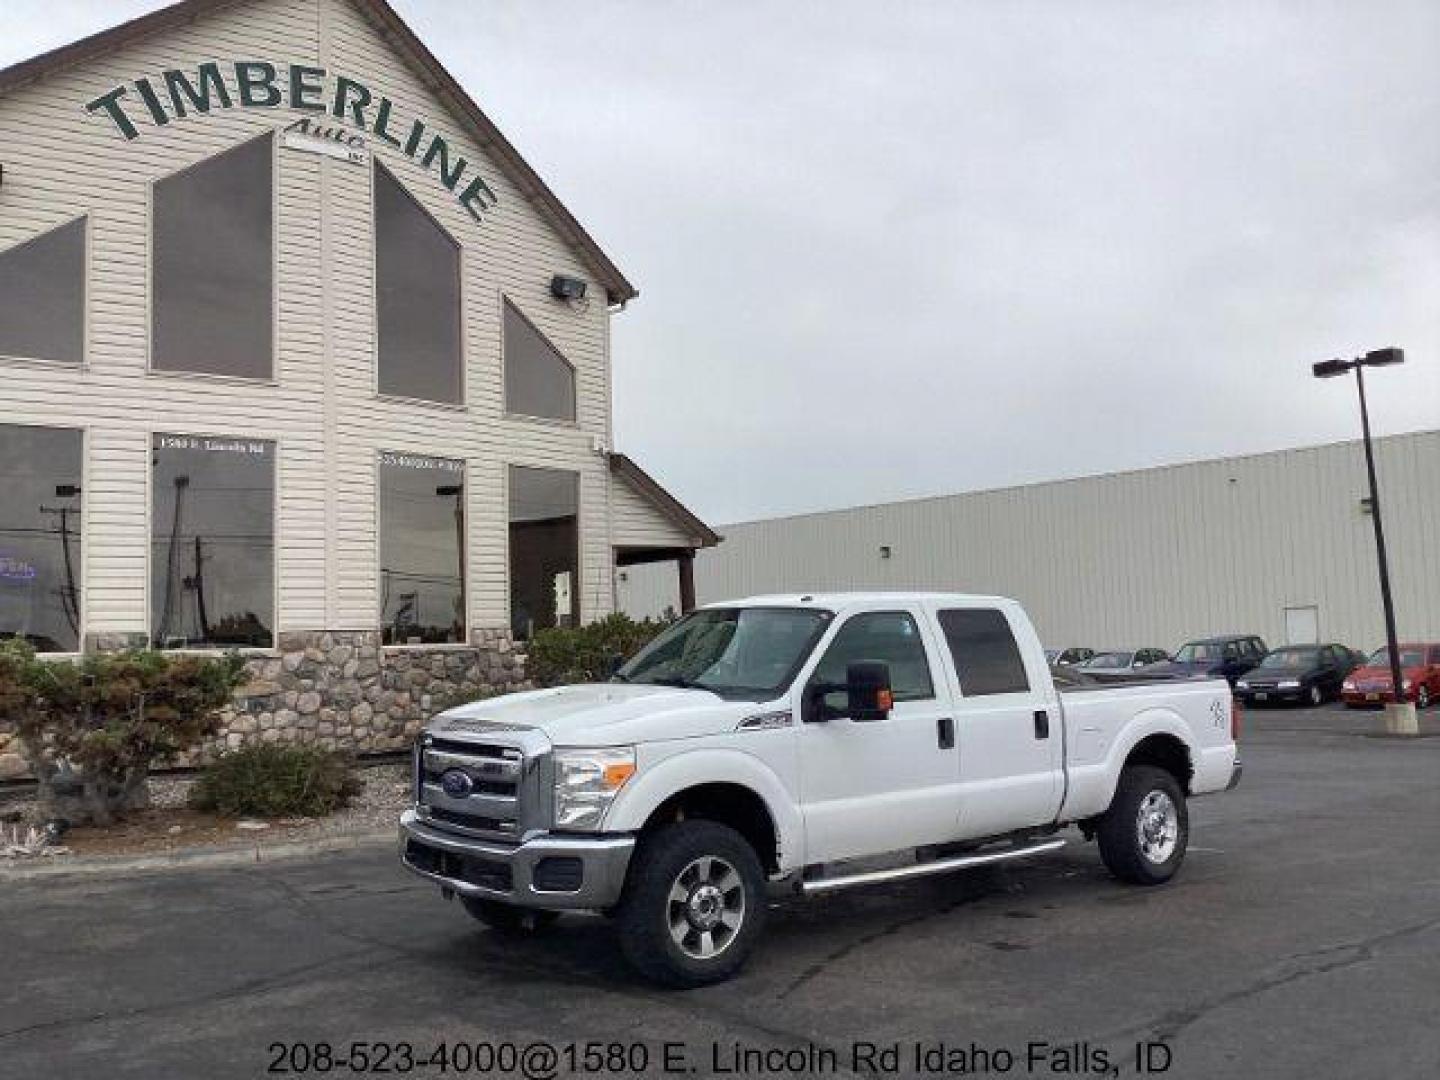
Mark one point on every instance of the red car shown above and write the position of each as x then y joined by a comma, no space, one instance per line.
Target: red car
1371,684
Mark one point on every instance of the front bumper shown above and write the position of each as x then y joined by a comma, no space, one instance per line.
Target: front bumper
553,871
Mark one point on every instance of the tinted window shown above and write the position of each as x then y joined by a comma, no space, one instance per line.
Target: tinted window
417,292
212,277
42,296
40,553
538,380
212,550
544,549
422,549
983,647
889,636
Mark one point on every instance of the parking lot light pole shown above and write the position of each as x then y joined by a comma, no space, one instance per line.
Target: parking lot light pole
1402,716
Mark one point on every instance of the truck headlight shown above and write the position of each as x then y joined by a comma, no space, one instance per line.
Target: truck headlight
1289,684
587,781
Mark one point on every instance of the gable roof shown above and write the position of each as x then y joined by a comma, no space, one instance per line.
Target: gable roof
669,506
414,52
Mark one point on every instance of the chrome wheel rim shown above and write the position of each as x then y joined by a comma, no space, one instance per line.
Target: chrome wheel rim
706,907
1158,824
1316,697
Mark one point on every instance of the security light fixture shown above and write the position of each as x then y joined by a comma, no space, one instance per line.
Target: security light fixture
567,288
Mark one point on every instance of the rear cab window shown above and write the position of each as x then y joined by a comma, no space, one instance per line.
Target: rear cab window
983,647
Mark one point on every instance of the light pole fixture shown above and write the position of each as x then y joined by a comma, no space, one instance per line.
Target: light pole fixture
1328,369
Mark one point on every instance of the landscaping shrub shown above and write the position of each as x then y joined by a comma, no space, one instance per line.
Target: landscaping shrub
91,729
276,781
587,653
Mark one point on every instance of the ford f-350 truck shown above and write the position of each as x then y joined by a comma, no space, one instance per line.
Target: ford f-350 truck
807,743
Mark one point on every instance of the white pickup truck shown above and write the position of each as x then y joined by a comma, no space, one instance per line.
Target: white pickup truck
801,743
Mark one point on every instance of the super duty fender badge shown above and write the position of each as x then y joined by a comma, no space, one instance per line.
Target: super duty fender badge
765,721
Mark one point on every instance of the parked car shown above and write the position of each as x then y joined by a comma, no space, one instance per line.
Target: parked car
769,743
1419,669
1122,661
1228,656
1066,657
1309,674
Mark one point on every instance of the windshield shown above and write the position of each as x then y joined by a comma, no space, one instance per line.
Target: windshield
736,652
1109,659
1408,658
1291,659
1199,652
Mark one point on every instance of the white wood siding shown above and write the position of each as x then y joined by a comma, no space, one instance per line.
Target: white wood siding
636,522
1131,559
322,409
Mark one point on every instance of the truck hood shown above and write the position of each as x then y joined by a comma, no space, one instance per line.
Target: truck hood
599,714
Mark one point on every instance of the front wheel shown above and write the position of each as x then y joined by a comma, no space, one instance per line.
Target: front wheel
694,904
1144,834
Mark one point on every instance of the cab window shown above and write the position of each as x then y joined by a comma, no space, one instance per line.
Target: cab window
888,636
987,658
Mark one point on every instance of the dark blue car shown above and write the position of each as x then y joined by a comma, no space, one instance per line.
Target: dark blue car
1228,656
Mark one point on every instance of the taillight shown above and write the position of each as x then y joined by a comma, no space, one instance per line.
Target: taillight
1234,719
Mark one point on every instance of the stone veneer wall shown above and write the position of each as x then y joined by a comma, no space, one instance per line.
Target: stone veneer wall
341,690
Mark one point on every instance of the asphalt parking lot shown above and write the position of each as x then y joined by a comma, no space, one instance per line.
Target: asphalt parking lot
1302,940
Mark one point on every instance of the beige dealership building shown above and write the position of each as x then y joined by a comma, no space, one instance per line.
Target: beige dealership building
300,356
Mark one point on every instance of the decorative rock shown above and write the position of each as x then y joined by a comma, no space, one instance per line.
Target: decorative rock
309,702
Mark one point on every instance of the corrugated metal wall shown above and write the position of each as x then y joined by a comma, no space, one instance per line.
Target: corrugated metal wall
1140,558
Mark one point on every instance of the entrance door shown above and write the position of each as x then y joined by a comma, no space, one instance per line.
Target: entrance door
880,785
1302,625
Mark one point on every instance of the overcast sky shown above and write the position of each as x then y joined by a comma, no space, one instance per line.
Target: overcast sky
888,250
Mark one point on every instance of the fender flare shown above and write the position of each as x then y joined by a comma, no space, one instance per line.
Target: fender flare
652,786
1153,721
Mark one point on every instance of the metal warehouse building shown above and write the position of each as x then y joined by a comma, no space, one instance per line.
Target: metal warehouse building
298,355
1278,544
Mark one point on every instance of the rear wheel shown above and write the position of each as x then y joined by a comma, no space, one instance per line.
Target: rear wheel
507,918
694,904
1144,834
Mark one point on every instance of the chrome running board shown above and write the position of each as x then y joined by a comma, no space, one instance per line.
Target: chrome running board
935,866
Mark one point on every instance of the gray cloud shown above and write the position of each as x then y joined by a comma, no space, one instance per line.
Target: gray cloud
888,250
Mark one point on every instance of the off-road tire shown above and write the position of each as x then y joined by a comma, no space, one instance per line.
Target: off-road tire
507,918
644,915
1121,834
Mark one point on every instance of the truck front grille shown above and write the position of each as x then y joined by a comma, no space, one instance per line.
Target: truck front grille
491,788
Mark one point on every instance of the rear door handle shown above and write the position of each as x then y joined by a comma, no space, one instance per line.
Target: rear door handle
946,731
1042,724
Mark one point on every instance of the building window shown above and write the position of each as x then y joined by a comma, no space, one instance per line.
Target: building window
417,293
212,541
538,380
213,275
40,528
544,549
42,296
422,549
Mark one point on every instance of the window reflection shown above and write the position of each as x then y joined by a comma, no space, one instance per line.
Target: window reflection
544,549
213,266
212,552
422,549
40,542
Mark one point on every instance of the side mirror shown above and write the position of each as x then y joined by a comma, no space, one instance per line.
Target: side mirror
867,695
867,690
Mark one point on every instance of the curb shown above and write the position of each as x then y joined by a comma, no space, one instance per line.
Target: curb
194,858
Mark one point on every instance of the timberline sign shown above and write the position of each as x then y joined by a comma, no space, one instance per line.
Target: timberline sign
259,84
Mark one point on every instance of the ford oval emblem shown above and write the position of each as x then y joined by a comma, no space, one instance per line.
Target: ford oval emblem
456,783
